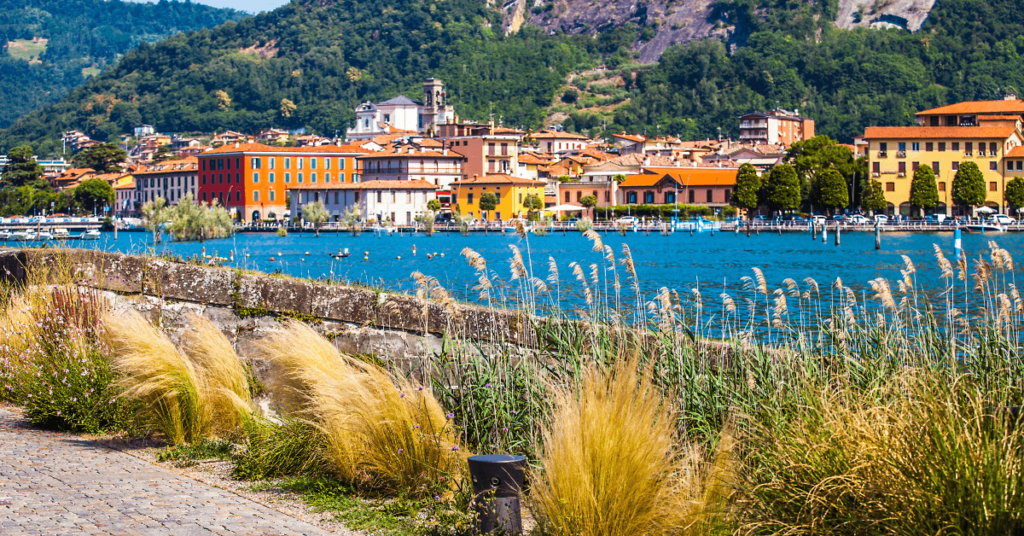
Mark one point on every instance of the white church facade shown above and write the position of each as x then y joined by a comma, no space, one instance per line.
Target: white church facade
402,114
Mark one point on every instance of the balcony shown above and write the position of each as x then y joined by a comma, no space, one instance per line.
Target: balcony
901,174
883,154
901,154
981,153
969,153
876,174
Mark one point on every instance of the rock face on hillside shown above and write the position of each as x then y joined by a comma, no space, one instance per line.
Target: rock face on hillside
906,14
688,20
678,22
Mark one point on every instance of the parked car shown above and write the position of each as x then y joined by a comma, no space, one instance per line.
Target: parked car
881,218
1001,219
839,217
859,219
818,218
628,220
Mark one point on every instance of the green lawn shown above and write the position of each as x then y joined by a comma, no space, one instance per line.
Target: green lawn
25,49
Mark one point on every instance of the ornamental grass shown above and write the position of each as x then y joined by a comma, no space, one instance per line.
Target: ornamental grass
187,395
612,464
382,431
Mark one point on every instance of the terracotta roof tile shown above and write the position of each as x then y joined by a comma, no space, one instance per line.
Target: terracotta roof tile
261,148
683,176
498,179
1016,152
390,153
978,107
554,134
937,133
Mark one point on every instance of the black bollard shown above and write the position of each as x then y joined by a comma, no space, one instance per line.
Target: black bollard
497,483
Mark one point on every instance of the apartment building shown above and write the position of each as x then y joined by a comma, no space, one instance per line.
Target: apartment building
775,127
511,192
487,148
409,163
399,202
555,142
894,153
690,185
252,179
171,180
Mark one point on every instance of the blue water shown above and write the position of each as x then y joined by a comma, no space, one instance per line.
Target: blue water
678,261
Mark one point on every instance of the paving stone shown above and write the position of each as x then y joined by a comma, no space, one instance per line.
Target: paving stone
52,483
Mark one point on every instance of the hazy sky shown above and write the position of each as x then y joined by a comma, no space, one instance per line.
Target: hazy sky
252,6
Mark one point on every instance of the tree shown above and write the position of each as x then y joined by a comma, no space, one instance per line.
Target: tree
434,205
830,190
533,204
815,156
589,201
287,108
94,193
783,189
154,215
163,153
22,168
194,221
969,186
105,158
488,202
619,178
924,193
872,197
1014,195
748,185
315,213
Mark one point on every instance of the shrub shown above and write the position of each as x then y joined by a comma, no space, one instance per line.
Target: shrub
188,396
55,365
381,431
293,448
922,454
611,464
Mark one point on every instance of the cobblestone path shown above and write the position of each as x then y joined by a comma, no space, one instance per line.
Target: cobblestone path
54,483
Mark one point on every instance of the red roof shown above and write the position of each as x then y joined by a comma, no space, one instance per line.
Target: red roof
978,107
497,179
938,133
1016,152
684,177
411,152
261,148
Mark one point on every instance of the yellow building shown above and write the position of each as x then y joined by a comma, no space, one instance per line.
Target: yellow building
510,191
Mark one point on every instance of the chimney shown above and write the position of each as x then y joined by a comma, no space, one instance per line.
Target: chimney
236,145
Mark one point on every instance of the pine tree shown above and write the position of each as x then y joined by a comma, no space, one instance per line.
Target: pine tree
22,168
748,186
969,186
873,198
924,193
783,188
831,191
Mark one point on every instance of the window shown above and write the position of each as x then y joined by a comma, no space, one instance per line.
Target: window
300,177
903,168
607,196
312,163
710,192
1020,165
993,148
993,166
271,195
255,163
929,146
204,180
272,162
271,179
220,178
969,147
942,146
956,166
902,146
287,178
691,196
915,146
238,163
341,163
204,165
287,163
955,146
883,146
914,166
649,197
935,167
356,197
300,162
890,187
497,198
632,198
238,196
378,197
408,197
942,187
876,168
728,195
204,196
255,195
327,163
579,194
335,198
220,164
255,178
469,197
312,177
993,186
566,197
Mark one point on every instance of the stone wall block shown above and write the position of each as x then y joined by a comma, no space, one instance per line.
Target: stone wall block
188,282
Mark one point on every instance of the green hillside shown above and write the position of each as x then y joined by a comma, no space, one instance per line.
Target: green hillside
310,62
48,47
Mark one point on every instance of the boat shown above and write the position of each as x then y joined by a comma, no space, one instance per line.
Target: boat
342,253
5,235
984,228
44,235
61,233
91,234
25,235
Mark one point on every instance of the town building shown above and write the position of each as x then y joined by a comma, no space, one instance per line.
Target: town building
170,179
69,178
125,196
403,114
272,136
556,142
894,153
775,127
511,193
252,179
708,186
487,148
398,202
409,163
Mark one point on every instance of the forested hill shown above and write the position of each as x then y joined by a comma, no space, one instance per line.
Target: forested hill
310,62
48,47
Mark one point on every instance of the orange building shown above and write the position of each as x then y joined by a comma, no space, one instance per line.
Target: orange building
694,186
252,179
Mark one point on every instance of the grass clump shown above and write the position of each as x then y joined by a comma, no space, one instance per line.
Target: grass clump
611,463
293,448
54,363
381,431
188,396
188,455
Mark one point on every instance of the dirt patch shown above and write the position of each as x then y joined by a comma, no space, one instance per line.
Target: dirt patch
268,50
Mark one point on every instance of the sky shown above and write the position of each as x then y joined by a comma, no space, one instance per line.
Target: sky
252,6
